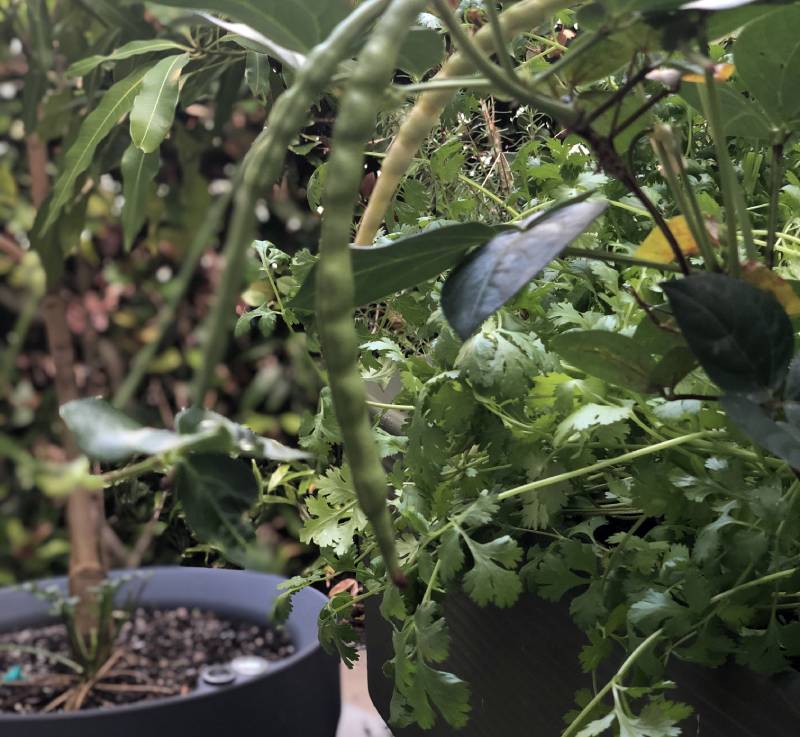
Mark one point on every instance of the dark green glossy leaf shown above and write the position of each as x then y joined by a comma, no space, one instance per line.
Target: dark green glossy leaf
673,367
740,334
501,268
779,438
383,270
106,434
138,184
243,440
215,492
612,357
297,25
767,57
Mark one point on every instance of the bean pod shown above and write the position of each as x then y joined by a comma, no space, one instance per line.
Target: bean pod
263,166
426,112
355,124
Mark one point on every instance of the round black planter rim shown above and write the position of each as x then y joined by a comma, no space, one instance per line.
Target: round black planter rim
305,598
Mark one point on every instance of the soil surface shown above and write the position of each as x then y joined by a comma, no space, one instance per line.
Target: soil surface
158,654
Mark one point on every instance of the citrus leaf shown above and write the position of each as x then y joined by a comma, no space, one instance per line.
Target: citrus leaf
244,441
383,270
656,247
138,182
134,48
741,335
215,492
116,102
106,434
298,25
612,357
154,107
767,57
499,270
259,40
765,278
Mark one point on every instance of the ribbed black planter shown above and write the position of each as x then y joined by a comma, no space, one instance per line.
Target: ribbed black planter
522,666
296,697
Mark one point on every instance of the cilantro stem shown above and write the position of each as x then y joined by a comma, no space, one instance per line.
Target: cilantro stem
490,195
618,676
398,407
778,575
432,583
624,458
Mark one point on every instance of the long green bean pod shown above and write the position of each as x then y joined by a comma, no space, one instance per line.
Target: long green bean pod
425,114
355,123
263,166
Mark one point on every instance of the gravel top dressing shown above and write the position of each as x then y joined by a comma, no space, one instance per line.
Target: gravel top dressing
158,654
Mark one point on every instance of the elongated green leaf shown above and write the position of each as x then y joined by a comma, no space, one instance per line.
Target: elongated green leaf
244,440
612,357
383,270
741,335
138,182
779,438
297,25
105,434
97,125
673,367
767,57
134,48
215,492
154,107
500,269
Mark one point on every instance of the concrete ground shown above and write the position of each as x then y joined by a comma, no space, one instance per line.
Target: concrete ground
359,718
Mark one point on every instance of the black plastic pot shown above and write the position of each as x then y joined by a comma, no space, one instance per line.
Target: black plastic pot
522,666
296,697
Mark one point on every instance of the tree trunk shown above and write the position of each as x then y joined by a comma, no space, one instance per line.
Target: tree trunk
85,509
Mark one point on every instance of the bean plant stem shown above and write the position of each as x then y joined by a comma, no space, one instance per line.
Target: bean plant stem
522,16
618,676
489,195
713,112
775,180
499,41
606,463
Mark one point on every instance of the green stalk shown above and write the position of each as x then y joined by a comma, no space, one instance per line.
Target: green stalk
499,41
775,181
263,166
355,123
619,258
618,676
565,113
586,470
672,163
728,183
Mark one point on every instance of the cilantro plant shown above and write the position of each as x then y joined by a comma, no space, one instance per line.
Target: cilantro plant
595,380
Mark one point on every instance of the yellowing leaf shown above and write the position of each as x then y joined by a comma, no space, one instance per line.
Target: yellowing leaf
764,278
656,247
722,73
